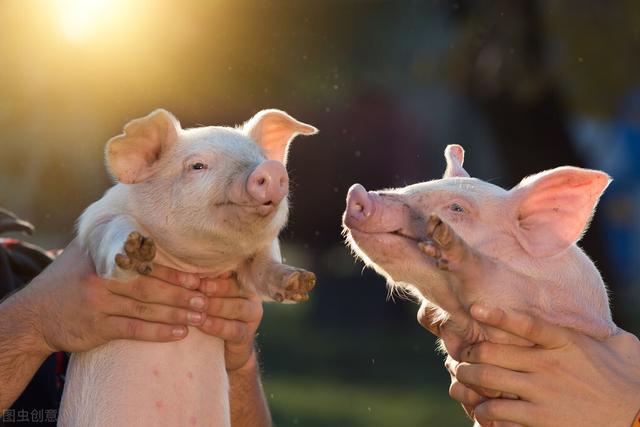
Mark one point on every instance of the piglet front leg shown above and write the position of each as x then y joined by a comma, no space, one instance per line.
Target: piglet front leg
139,251
451,253
275,281
285,283
119,248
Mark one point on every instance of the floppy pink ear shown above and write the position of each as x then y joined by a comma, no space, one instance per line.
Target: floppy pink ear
454,154
273,130
553,208
132,155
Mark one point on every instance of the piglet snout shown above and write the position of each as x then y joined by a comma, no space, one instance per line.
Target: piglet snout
359,205
268,184
375,212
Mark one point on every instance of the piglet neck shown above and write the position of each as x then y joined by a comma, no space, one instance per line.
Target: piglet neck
165,258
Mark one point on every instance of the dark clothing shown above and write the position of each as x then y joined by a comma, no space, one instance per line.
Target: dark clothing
19,263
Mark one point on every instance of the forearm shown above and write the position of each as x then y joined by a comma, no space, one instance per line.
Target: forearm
248,404
22,349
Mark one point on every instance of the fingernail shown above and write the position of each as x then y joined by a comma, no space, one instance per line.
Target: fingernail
194,318
211,287
197,302
190,281
179,331
480,312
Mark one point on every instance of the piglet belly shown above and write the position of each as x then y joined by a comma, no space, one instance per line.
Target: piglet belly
127,383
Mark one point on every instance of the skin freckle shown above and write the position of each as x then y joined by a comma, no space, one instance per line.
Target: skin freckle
189,374
156,372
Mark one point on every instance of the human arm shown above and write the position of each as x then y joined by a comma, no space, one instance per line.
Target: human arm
234,315
567,378
68,308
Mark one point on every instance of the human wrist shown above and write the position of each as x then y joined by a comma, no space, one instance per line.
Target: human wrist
27,323
249,367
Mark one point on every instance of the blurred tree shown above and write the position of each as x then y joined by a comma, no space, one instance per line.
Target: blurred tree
503,67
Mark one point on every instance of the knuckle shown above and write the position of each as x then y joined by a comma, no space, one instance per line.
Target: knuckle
214,326
529,327
240,332
216,305
548,363
461,372
483,374
222,287
138,289
481,352
258,310
132,329
141,310
178,316
454,390
491,410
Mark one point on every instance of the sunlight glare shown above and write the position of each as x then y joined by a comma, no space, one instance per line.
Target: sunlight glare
79,18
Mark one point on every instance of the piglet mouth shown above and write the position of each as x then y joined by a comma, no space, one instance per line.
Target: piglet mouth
405,234
266,209
262,210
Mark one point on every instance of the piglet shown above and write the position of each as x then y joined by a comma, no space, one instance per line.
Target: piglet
457,241
208,200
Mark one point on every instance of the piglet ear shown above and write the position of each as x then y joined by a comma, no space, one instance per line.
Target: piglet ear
273,130
131,156
553,208
454,154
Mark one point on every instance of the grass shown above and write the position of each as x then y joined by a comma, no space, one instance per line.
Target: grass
380,376
322,403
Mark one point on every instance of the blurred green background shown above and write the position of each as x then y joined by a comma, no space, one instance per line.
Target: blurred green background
523,85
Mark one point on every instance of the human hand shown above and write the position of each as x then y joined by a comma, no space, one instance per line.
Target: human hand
467,397
74,310
233,315
566,379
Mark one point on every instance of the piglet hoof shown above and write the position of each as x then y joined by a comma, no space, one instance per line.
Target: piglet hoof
443,244
139,251
297,285
439,231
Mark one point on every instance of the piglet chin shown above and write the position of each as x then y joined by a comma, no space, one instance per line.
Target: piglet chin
265,210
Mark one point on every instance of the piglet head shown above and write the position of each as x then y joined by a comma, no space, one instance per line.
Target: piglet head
215,183
531,229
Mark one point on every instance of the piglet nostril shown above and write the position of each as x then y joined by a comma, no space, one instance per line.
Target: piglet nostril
359,204
268,183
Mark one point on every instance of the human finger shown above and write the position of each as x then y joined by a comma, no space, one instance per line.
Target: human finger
465,395
228,330
222,287
128,307
493,378
241,309
118,327
175,277
501,410
152,290
533,329
513,357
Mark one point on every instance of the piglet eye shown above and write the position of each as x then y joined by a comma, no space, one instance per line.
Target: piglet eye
456,208
198,166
